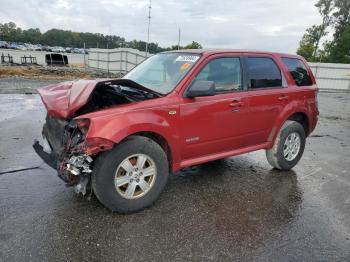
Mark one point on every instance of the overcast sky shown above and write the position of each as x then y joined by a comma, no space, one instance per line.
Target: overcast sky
275,25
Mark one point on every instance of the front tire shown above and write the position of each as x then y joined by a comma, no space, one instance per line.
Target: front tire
288,147
131,176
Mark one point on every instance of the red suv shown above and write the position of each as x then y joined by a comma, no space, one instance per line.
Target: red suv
122,137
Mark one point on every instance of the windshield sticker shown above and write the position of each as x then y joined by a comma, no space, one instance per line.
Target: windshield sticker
184,66
187,58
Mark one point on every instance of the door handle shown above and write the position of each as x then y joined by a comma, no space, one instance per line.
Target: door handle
236,103
283,97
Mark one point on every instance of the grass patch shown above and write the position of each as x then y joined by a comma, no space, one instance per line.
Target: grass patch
44,73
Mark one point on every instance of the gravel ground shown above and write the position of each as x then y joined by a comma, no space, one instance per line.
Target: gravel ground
237,209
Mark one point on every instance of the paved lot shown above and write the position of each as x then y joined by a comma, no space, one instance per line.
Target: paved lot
40,56
20,85
237,209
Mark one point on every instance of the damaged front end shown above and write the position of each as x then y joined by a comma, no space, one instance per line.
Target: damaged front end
66,149
66,146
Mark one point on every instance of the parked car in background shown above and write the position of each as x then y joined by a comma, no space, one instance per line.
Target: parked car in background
79,51
55,49
13,46
21,47
47,48
37,47
4,44
176,109
29,47
58,49
76,50
68,49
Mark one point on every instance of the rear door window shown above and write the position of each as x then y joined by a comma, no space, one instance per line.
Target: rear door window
298,70
263,73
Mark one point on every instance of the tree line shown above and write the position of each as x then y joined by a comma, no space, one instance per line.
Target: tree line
335,19
56,37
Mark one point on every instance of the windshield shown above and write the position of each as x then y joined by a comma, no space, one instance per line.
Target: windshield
162,72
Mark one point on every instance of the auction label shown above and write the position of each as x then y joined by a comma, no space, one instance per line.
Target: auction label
187,58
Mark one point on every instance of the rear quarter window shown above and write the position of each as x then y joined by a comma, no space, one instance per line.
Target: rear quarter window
298,70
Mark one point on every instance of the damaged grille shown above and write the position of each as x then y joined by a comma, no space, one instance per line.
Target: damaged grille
66,139
62,135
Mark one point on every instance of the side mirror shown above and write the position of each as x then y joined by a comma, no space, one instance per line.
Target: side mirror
201,88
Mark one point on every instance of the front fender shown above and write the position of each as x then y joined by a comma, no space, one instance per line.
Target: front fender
117,127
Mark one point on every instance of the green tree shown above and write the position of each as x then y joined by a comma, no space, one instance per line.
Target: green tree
9,32
335,13
341,17
307,45
339,51
193,45
312,38
325,8
31,35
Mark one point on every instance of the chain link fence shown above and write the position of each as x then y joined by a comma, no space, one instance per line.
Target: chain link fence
116,61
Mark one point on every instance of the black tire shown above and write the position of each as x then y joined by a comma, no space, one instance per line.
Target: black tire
275,155
104,173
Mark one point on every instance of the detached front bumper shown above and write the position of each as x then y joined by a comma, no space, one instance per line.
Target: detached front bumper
46,155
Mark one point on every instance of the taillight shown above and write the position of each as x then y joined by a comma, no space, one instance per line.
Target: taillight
316,99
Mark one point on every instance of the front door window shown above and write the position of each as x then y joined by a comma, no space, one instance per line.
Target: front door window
224,72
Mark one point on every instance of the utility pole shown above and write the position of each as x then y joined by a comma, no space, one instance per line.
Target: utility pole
149,24
84,56
178,43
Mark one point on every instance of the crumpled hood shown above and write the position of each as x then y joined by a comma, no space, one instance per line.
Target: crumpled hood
64,99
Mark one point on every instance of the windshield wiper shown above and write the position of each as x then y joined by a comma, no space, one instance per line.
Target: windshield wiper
127,90
132,84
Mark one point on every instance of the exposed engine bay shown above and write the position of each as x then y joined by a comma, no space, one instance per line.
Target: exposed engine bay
65,146
108,94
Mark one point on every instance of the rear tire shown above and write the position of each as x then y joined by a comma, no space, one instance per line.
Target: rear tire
113,168
288,147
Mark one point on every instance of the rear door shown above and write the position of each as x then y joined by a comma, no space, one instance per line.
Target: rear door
268,95
215,124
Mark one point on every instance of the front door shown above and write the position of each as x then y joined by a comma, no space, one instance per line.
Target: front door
215,124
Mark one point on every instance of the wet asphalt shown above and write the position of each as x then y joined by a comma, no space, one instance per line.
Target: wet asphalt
237,209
